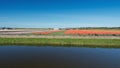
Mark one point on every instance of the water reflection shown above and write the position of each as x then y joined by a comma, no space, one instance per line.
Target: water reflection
58,57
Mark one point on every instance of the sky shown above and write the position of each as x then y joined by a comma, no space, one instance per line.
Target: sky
59,13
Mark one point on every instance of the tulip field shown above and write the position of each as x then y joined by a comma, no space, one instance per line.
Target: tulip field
79,32
73,32
92,32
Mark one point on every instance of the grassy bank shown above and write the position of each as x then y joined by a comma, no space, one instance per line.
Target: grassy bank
115,43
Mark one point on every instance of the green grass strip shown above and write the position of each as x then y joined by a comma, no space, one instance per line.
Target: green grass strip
107,43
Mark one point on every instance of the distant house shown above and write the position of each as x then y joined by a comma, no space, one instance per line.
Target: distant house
56,28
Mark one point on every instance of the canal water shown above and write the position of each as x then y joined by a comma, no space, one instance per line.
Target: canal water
58,57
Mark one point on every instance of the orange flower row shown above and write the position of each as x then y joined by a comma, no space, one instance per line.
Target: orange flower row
99,32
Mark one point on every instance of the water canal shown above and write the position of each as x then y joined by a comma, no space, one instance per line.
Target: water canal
58,57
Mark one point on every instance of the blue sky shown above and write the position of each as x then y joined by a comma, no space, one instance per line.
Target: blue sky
59,13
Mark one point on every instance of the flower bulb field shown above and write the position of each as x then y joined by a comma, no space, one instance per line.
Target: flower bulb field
92,32
71,37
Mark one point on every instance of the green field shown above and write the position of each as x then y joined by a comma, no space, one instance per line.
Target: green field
106,43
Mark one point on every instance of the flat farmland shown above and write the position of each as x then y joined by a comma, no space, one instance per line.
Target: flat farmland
40,33
90,38
20,31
